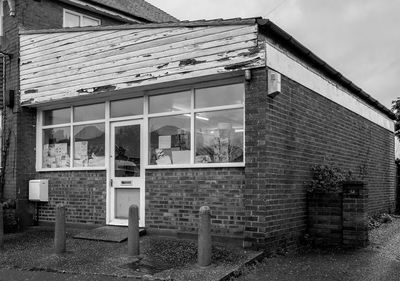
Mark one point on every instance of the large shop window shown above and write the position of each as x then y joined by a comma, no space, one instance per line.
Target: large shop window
87,144
199,127
209,119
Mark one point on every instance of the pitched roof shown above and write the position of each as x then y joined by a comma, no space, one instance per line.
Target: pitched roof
138,8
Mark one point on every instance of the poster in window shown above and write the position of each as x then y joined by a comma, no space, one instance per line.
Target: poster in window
81,154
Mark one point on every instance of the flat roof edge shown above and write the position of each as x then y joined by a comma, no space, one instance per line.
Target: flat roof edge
276,31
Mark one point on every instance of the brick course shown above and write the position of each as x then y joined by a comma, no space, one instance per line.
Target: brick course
20,123
174,197
266,200
285,136
83,193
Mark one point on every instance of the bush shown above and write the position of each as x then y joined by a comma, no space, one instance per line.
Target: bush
327,178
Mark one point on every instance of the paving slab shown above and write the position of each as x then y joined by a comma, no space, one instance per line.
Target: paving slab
162,258
107,233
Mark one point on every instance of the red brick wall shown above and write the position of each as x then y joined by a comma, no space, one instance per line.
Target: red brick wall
285,136
83,193
174,197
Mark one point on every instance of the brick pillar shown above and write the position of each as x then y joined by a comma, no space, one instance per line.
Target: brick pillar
325,218
355,220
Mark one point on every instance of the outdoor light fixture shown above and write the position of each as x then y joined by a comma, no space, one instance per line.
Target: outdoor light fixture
247,74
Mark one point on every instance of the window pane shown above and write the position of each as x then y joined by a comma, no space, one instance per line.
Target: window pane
169,140
56,148
127,151
216,96
57,116
71,20
89,145
128,107
89,112
219,136
124,198
86,21
169,102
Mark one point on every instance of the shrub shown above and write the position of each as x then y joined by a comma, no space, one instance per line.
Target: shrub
327,178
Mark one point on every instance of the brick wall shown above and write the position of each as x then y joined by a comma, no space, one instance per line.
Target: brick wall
285,136
83,193
20,123
174,197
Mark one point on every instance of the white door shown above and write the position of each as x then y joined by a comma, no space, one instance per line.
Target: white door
127,171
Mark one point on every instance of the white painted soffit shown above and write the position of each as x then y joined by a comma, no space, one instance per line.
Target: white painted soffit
291,67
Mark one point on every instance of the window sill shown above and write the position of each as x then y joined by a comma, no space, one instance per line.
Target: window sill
195,166
71,169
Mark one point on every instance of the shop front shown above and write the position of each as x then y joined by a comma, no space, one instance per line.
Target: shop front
198,127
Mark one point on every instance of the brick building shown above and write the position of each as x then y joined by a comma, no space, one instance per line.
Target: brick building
172,116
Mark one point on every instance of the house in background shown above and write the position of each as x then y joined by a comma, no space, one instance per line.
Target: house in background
17,166
172,116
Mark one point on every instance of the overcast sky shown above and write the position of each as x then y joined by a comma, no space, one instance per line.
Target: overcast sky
359,38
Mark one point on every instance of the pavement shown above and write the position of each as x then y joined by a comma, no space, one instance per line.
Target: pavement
19,275
30,256
380,261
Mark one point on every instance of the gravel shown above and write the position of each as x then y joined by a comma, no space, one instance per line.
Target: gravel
379,261
161,257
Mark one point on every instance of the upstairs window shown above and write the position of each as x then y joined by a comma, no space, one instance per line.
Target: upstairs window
74,19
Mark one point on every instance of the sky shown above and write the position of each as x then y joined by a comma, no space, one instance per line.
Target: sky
359,38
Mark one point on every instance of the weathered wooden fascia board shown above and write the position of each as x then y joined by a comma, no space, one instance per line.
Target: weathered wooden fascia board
234,64
93,92
286,64
190,62
111,45
131,60
136,62
139,52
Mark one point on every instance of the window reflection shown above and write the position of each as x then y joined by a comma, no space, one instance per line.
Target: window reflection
219,136
89,112
217,96
89,145
127,151
169,102
56,148
170,140
57,116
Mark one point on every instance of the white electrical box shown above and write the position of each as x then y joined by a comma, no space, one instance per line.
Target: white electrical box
274,83
39,190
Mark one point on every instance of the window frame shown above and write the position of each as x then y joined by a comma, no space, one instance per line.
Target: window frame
80,15
146,137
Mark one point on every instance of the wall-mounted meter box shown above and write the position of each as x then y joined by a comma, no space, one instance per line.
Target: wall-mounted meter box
39,190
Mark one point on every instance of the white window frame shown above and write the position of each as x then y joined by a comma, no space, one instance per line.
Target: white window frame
145,117
80,15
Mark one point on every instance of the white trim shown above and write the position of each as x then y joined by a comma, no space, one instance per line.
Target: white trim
286,64
136,181
184,166
80,15
107,162
105,11
145,117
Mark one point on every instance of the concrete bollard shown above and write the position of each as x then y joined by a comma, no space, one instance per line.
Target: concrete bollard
59,233
1,227
133,231
204,242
